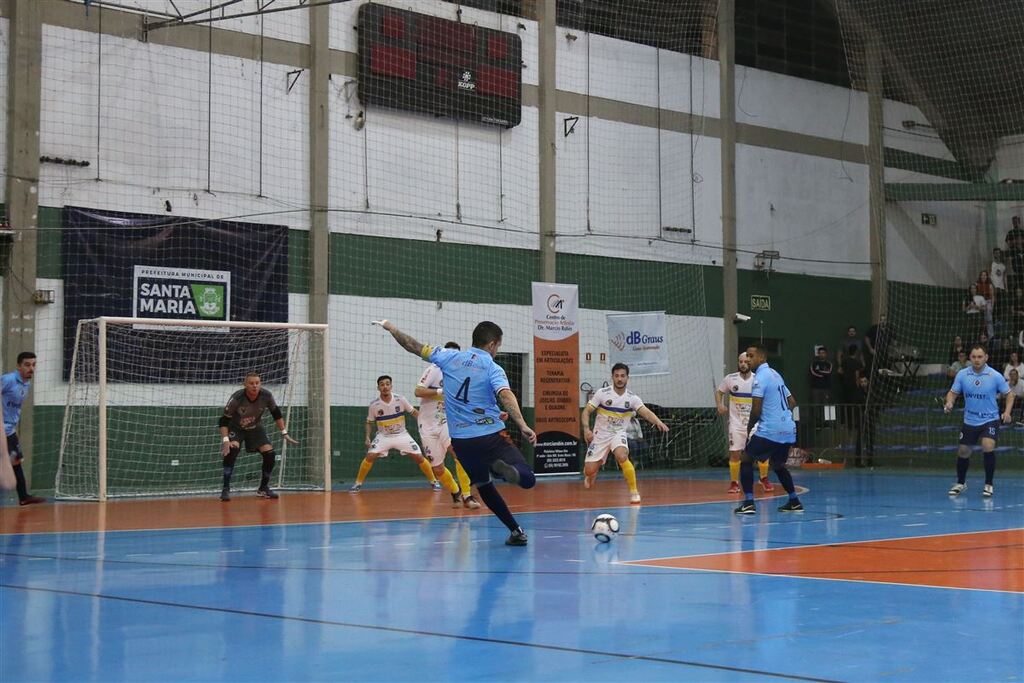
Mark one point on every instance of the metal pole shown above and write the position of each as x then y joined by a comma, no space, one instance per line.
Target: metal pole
546,110
727,94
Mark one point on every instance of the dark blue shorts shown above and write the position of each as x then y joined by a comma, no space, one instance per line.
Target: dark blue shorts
760,448
970,435
252,439
479,453
14,448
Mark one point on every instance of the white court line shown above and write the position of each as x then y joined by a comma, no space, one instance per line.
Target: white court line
552,537
187,552
38,559
443,542
319,547
140,555
918,524
580,561
403,544
272,550
239,550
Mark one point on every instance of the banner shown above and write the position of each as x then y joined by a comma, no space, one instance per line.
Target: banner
556,386
152,266
639,340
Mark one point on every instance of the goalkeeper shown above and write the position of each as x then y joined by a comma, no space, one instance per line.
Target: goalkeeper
241,423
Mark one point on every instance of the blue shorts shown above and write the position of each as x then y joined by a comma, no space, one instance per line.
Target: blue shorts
760,448
477,454
970,434
14,448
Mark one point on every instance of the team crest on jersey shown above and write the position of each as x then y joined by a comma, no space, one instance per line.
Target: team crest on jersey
608,402
627,404
380,412
735,387
398,409
977,382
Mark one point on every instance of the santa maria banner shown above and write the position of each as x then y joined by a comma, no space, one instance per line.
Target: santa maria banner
556,397
639,340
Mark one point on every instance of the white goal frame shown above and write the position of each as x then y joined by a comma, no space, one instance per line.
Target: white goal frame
102,323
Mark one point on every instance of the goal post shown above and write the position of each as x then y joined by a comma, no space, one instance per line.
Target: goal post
145,396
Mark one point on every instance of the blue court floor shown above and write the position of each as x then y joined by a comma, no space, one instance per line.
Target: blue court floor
444,599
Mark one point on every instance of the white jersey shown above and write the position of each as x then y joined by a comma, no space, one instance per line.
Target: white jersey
614,411
389,416
432,414
740,398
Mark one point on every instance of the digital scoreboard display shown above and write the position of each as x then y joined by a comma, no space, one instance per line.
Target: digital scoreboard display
422,63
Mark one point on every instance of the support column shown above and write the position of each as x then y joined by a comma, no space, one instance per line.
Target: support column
319,142
547,110
319,200
24,72
727,97
876,180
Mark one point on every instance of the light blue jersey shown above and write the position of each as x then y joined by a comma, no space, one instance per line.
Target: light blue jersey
472,381
979,390
15,389
776,421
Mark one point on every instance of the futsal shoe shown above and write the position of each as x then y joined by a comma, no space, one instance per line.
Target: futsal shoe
225,494
734,487
517,537
766,485
746,508
267,493
31,500
471,502
456,500
987,491
436,485
957,489
792,506
634,498
356,488
506,472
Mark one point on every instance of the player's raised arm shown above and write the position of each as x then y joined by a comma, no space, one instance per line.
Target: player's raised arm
406,342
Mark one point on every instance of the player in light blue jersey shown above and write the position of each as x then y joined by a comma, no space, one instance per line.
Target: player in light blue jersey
980,385
774,432
15,387
473,384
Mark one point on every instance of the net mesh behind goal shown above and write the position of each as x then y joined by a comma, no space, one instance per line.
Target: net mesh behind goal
162,389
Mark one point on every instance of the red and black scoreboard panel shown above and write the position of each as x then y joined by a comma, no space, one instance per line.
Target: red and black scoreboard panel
422,63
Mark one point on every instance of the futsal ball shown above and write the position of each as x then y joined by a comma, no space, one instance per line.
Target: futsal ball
605,527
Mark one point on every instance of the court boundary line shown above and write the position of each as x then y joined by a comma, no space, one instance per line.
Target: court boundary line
643,563
417,632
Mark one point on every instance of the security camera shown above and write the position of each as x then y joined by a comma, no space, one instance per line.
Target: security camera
740,318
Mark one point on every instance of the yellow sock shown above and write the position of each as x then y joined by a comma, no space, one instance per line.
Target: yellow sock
427,472
630,474
364,469
734,470
448,481
463,478
762,465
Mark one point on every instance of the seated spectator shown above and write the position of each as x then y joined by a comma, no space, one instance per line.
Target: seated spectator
958,346
956,366
997,270
850,340
1013,364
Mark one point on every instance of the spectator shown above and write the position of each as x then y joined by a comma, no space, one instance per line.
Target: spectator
1015,306
1013,364
979,312
876,343
865,414
985,286
1015,247
956,366
1017,389
821,377
958,346
997,270
851,339
850,371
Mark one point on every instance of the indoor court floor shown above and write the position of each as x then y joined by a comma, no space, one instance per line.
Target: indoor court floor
883,578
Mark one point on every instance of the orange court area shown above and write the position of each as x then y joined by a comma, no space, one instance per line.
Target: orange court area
983,560
245,509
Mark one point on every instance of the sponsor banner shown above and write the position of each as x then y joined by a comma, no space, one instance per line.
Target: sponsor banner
639,340
181,294
164,266
556,352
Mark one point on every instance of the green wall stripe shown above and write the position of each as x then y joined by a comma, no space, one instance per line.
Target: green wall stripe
954,192
920,163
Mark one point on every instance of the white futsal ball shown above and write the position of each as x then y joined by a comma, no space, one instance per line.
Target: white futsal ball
605,527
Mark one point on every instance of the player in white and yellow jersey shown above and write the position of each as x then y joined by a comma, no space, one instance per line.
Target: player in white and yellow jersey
387,413
737,387
615,407
433,426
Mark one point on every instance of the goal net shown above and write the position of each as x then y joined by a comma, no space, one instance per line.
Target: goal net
145,397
